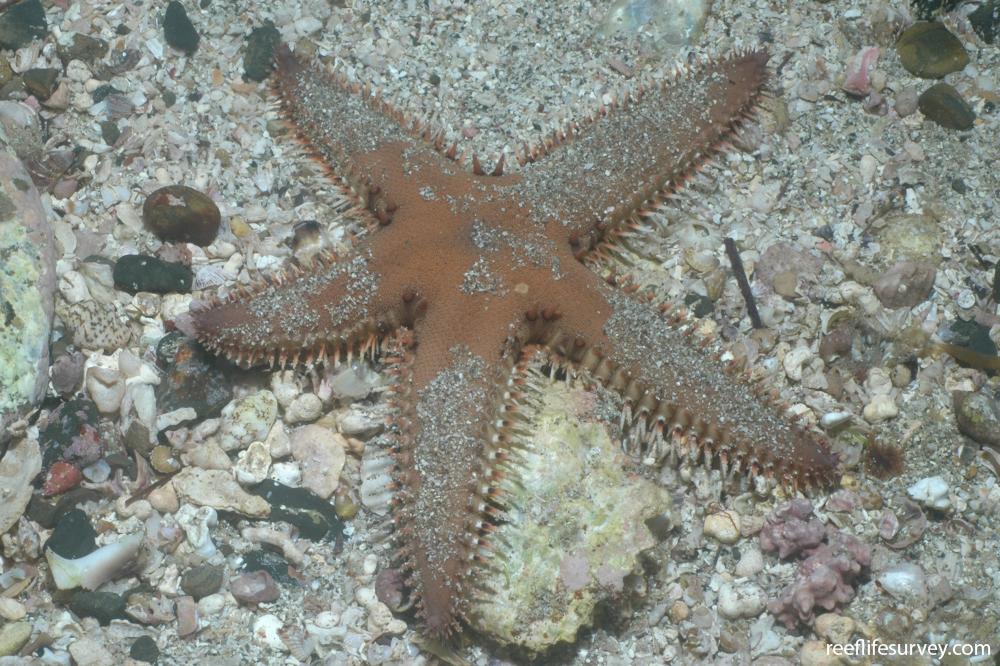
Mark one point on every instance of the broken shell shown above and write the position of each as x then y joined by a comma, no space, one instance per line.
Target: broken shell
90,571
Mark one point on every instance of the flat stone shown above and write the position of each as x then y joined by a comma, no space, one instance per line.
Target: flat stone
926,49
219,490
906,284
946,106
102,606
27,290
41,82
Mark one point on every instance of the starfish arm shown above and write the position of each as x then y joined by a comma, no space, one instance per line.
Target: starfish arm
347,130
607,169
686,402
323,311
454,439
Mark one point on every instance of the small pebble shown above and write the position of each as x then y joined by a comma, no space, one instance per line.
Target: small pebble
741,601
723,526
187,616
144,649
906,284
102,606
926,49
89,652
253,464
255,587
946,106
202,580
178,29
41,82
881,408
305,408
931,492
978,416
181,214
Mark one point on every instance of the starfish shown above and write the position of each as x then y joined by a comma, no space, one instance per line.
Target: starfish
463,274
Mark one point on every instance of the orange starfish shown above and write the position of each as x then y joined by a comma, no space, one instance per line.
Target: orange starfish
477,269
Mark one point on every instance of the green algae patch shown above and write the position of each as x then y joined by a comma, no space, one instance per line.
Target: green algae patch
577,521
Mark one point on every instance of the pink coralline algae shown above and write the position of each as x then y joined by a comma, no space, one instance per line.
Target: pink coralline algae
825,577
791,528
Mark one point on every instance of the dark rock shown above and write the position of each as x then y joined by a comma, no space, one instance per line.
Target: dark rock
141,272
137,439
978,416
958,185
906,284
180,213
271,562
84,47
144,649
258,60
255,588
178,29
73,536
71,427
926,49
193,380
315,517
203,580
41,511
110,132
102,606
945,106
986,20
22,23
41,82
47,514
